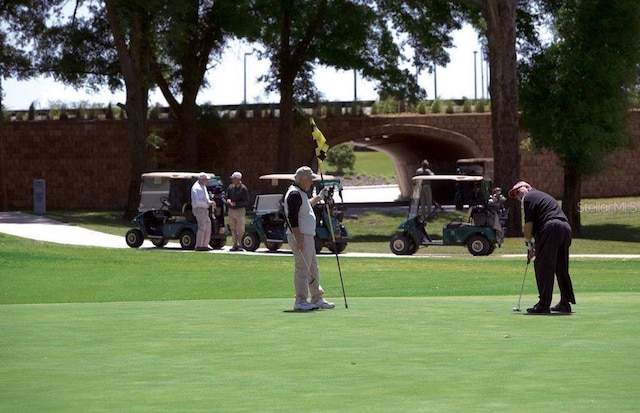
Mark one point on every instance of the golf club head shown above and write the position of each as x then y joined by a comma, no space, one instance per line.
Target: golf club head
516,309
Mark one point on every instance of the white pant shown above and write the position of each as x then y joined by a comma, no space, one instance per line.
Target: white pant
306,275
203,237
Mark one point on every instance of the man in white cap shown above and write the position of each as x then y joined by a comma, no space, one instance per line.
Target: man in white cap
301,228
200,203
237,201
545,222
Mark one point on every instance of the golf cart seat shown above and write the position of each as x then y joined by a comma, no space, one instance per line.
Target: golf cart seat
456,224
187,211
273,218
154,219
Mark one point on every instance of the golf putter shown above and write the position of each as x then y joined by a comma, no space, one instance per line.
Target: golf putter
517,307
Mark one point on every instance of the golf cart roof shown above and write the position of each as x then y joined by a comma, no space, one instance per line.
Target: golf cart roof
457,178
177,175
289,177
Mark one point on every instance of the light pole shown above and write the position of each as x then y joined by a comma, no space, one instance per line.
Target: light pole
475,76
355,88
244,100
482,76
488,71
435,81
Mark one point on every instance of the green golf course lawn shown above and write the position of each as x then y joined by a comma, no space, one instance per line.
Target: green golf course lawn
93,329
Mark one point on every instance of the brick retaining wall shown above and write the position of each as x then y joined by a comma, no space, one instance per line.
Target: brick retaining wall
86,163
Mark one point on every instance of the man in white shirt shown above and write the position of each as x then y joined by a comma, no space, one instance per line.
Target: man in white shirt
200,203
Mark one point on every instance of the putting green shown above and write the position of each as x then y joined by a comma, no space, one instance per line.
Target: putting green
381,354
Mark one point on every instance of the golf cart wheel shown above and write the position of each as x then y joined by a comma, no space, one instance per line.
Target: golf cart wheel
478,245
402,245
319,243
188,240
338,247
273,246
159,243
134,238
250,241
218,243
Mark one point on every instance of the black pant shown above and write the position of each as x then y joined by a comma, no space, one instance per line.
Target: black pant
552,257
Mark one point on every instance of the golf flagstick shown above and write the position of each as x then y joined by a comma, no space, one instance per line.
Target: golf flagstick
321,153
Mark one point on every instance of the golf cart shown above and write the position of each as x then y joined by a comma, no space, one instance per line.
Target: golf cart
484,229
165,211
269,223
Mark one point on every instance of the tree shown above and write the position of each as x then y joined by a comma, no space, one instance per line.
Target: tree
141,43
191,32
131,32
577,92
297,35
16,17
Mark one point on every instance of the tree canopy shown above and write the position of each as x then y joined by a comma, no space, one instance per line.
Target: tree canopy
576,93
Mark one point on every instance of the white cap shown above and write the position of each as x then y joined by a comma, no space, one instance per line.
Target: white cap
305,172
236,175
203,175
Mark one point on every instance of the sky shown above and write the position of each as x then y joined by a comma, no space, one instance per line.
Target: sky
227,82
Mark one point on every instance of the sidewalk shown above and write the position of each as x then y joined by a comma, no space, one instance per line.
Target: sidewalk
368,194
44,229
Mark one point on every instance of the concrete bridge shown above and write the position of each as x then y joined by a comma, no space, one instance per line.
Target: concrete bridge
407,140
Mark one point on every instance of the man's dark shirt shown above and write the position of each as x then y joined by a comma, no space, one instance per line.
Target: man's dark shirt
539,208
238,194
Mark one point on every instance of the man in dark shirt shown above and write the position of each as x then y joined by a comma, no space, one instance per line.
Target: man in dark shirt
548,225
237,201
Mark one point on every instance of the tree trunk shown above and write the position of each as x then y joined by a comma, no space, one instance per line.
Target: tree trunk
571,200
186,113
500,16
285,148
134,60
137,119
287,78
4,199
188,120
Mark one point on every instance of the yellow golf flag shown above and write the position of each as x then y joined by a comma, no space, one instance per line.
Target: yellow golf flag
321,144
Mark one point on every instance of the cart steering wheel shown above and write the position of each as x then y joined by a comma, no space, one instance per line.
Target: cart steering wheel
165,202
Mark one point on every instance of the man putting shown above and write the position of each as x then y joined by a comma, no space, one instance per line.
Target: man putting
545,222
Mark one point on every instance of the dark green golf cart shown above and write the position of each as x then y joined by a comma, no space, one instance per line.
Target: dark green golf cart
268,223
483,231
165,211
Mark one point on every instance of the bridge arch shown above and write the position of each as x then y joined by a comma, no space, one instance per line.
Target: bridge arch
407,145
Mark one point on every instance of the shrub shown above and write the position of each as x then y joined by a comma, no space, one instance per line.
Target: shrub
109,114
422,107
32,112
466,107
450,109
342,157
436,106
480,106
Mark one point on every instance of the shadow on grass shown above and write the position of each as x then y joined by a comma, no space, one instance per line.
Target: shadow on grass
111,219
611,232
370,238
